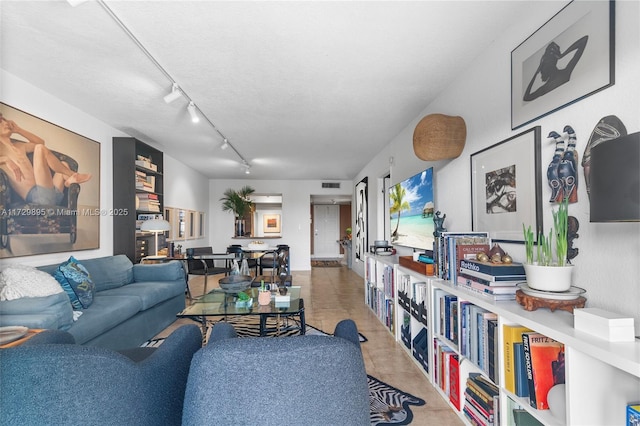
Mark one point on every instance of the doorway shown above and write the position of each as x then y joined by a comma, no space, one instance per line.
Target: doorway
326,231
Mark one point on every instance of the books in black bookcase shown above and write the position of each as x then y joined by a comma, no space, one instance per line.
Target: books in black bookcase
544,361
495,269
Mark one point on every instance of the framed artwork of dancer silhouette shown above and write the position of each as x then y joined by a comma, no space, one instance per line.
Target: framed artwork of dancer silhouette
505,187
567,59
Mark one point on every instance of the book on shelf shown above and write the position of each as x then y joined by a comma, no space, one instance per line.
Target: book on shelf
498,279
447,253
492,350
522,417
511,334
493,282
496,292
495,269
483,338
454,380
483,396
520,371
544,360
633,414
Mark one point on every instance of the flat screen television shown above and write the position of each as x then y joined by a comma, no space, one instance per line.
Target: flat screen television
411,211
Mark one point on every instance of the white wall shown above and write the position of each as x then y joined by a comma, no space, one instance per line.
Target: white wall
186,189
296,216
608,264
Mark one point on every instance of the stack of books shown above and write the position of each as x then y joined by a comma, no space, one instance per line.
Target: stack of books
496,280
481,400
149,202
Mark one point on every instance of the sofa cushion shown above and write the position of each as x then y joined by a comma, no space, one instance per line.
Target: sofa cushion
38,312
17,281
169,271
110,271
105,313
76,282
149,293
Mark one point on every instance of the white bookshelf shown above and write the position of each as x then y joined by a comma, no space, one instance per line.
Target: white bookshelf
601,377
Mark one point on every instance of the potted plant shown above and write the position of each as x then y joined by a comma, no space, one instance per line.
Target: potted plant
240,204
547,273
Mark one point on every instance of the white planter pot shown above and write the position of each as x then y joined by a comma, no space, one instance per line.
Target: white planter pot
548,278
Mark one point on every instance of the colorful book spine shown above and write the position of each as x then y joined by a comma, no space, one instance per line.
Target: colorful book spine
545,366
511,334
454,381
522,385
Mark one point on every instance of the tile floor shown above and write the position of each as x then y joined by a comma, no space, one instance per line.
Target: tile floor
336,293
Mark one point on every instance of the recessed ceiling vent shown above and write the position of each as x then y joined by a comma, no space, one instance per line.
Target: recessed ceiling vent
331,184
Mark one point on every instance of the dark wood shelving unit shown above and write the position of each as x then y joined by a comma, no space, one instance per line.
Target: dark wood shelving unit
125,238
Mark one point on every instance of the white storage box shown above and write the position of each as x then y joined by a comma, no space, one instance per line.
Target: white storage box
603,324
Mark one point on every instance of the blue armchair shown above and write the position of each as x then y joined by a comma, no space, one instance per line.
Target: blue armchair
49,380
300,380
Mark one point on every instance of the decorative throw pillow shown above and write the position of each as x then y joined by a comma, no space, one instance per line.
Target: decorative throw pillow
17,281
74,279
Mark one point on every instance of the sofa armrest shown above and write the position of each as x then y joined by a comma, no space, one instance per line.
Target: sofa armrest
53,311
347,330
170,271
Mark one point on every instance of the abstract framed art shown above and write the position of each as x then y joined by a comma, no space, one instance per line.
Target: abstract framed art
505,187
570,57
49,187
362,208
271,223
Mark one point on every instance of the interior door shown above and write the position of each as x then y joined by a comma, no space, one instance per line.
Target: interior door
326,228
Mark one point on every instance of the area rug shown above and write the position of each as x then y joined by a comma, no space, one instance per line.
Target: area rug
388,405
326,263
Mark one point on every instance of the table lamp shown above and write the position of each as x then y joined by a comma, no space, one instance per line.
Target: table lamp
156,226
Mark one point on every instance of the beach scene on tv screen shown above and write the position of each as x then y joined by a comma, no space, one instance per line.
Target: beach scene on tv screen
411,209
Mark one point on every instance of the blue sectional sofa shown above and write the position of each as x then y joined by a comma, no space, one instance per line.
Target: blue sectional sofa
131,303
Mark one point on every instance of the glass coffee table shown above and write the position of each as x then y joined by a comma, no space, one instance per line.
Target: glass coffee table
219,305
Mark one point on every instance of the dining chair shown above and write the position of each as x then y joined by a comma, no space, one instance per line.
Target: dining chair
203,267
273,260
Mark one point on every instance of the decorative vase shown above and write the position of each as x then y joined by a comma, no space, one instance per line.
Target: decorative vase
239,227
548,278
264,297
557,402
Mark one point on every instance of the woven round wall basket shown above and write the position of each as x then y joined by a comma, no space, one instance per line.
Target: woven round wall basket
439,137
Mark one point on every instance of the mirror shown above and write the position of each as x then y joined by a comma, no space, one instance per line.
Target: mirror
266,217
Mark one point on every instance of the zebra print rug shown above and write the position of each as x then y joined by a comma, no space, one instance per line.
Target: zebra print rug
388,405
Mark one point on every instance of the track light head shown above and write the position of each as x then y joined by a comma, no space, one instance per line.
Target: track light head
225,144
247,170
174,94
192,112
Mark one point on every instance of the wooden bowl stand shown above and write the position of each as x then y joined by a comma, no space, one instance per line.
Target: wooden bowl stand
531,303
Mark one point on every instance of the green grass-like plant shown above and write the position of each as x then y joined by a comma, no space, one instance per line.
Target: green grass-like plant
544,247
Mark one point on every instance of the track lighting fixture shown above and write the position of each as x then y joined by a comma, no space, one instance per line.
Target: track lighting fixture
192,112
174,94
75,3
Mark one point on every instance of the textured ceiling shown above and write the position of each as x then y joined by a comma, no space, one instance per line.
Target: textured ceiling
301,89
